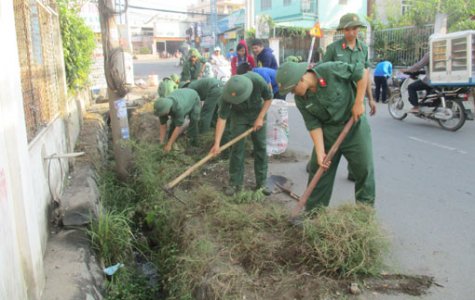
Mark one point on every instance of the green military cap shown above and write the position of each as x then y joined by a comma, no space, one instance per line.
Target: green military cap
289,74
194,52
350,20
162,106
292,58
175,77
237,89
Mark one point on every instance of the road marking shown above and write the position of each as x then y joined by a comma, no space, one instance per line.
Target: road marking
438,145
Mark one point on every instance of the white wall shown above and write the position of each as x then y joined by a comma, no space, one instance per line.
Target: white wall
21,255
24,182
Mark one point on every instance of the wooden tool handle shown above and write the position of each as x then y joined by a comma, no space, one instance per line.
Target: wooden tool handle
205,159
316,177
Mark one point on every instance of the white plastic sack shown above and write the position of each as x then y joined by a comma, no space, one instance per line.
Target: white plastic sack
277,127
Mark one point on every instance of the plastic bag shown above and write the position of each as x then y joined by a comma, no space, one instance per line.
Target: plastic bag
277,127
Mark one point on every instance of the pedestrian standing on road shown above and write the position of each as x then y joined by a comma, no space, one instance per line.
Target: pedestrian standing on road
351,50
264,56
194,67
178,105
209,90
327,98
242,56
245,101
383,70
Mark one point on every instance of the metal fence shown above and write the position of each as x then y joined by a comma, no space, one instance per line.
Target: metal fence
402,46
42,71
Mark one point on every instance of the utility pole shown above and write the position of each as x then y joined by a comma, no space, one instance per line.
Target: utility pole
114,70
214,21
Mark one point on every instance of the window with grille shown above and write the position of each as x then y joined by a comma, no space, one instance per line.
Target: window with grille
405,6
287,2
266,4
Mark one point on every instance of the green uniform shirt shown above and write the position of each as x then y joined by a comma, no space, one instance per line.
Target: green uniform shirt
185,102
204,86
339,51
331,104
248,110
191,72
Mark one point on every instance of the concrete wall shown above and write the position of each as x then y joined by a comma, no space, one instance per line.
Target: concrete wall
330,12
21,255
278,10
24,174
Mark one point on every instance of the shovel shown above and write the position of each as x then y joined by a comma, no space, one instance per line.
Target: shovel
318,175
204,160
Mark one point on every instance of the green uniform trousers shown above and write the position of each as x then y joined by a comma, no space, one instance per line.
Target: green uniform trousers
236,161
357,149
209,109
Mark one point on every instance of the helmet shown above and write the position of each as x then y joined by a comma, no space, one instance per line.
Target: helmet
237,89
289,74
350,20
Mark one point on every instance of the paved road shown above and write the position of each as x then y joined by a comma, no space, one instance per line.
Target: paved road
425,192
425,196
162,68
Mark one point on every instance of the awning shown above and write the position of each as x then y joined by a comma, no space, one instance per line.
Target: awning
169,39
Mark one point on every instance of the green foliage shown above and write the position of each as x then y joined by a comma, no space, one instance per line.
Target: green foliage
145,50
291,31
78,45
250,34
112,236
128,284
422,12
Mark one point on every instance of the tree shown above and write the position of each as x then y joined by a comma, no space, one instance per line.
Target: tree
78,44
422,12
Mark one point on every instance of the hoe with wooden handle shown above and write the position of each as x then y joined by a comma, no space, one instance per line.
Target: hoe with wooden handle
205,159
319,173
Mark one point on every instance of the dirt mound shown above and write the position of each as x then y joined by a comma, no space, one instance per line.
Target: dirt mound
144,125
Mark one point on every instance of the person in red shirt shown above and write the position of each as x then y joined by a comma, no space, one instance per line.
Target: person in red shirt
242,56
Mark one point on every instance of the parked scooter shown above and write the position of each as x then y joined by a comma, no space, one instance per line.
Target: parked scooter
445,105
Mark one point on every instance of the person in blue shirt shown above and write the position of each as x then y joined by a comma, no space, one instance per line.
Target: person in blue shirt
264,56
230,54
383,70
267,73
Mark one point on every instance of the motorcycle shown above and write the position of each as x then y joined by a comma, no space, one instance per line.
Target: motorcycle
445,105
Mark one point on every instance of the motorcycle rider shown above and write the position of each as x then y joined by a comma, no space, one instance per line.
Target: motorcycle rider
419,84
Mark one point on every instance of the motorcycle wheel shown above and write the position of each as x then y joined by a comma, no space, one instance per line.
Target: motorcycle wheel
458,118
395,106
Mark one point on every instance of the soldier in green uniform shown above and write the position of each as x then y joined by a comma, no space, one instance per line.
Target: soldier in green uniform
209,89
168,85
193,68
351,50
178,105
327,98
245,101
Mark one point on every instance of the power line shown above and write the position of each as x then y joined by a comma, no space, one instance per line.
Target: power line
173,11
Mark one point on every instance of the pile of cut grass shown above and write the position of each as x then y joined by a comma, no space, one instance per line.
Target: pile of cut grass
210,246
